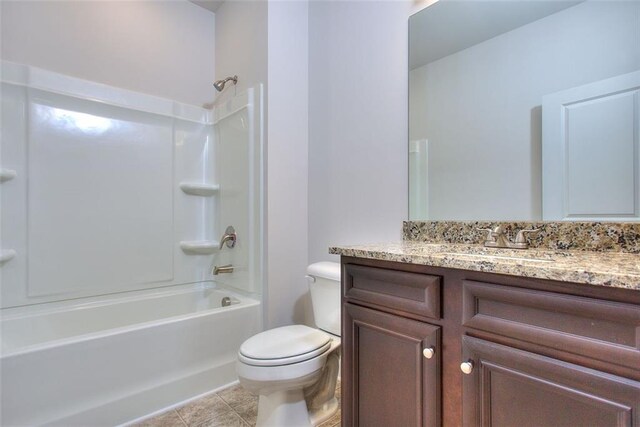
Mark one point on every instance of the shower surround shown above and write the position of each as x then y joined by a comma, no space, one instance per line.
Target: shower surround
112,206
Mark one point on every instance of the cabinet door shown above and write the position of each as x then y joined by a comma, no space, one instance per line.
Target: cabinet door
388,377
510,387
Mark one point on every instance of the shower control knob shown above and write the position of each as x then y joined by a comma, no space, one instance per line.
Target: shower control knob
229,238
466,367
428,352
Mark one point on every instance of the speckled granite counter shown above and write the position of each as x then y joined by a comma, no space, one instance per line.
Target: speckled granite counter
614,269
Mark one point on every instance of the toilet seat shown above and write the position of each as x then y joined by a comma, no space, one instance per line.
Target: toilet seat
284,346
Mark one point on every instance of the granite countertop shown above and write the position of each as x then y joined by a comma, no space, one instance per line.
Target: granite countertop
614,269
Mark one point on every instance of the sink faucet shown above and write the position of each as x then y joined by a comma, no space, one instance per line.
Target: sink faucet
497,238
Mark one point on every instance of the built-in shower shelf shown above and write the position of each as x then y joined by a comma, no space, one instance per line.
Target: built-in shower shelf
6,255
7,174
198,189
199,247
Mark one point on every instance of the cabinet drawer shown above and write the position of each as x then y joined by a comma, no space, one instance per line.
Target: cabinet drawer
402,291
598,329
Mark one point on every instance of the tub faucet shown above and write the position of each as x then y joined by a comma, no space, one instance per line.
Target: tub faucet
229,237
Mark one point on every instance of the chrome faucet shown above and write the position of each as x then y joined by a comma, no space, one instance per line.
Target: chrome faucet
222,269
497,238
229,237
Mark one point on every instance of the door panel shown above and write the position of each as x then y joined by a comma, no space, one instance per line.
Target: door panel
510,387
387,381
591,151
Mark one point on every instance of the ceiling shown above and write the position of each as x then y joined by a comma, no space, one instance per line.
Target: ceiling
449,26
211,5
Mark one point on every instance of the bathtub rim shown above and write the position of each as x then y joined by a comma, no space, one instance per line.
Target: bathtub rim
9,313
113,299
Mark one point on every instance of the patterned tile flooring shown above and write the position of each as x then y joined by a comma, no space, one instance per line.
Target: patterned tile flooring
231,407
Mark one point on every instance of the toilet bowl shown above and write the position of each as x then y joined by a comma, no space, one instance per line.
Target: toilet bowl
294,369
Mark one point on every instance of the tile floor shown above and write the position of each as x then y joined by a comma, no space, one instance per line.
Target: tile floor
231,407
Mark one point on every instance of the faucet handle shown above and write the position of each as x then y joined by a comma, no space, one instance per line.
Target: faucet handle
229,238
498,231
490,236
521,238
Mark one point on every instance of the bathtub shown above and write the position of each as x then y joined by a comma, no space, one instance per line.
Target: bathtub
110,360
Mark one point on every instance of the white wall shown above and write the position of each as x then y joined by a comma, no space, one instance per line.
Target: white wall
241,44
490,167
245,32
241,49
357,122
355,139
163,48
287,153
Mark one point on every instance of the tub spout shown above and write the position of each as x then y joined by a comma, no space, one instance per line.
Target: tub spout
222,269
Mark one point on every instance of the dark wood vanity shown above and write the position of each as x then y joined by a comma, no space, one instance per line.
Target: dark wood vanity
536,352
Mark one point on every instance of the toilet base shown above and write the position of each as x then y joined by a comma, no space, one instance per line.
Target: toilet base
287,398
320,397
288,408
283,408
323,413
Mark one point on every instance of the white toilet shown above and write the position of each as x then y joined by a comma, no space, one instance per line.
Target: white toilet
294,369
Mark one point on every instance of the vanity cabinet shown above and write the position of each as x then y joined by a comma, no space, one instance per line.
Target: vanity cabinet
534,352
395,371
393,352
509,387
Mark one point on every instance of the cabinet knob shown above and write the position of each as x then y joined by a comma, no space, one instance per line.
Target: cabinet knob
466,367
428,352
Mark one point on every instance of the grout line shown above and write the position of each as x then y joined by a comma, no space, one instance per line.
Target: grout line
180,417
213,417
243,418
223,399
238,413
225,402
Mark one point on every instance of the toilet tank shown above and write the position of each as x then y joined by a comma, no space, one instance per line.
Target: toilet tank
324,284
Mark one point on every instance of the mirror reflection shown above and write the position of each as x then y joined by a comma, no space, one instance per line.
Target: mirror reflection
525,110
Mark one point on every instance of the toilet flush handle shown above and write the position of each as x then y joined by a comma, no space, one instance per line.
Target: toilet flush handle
313,279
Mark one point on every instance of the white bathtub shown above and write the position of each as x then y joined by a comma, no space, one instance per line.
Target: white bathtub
114,359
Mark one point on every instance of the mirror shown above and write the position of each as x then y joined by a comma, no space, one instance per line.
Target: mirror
525,110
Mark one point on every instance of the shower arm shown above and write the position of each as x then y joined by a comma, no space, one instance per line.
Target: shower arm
220,84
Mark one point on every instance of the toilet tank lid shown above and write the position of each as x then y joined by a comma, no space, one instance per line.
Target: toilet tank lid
326,270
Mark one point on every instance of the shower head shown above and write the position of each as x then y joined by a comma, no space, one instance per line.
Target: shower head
219,84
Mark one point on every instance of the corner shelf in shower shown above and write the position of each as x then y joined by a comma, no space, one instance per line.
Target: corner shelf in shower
6,255
7,174
199,247
198,189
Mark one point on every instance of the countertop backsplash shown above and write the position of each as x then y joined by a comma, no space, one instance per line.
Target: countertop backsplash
587,236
